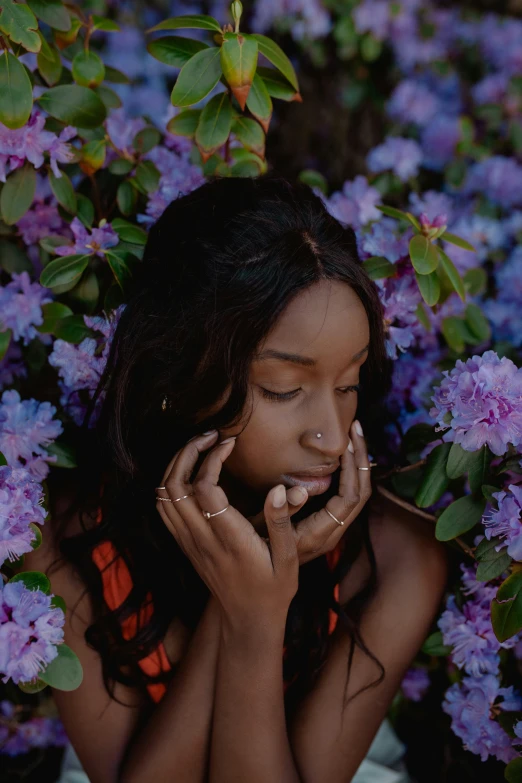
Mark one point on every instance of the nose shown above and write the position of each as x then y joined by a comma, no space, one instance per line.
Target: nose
333,424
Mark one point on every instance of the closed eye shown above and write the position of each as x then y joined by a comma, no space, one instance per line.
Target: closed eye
291,394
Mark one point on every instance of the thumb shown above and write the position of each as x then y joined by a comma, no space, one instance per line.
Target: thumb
279,525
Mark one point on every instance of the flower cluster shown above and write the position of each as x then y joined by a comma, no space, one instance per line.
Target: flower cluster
20,736
21,499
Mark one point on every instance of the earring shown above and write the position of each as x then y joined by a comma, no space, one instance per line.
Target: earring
164,404
318,435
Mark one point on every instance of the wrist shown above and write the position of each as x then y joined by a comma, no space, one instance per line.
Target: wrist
255,631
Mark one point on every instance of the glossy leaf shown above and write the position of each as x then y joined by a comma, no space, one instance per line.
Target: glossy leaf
479,468
435,646
86,291
513,771
63,270
33,686
57,602
93,156
245,168
459,461
129,232
52,312
147,176
52,12
185,123
50,68
13,258
72,329
109,98
277,57
429,287
506,608
16,92
455,240
18,193
174,50
85,210
37,540
104,24
115,76
435,479
126,198
75,105
63,191
197,77
88,69
277,86
214,124
477,322
378,267
492,564
475,280
20,24
118,263
259,102
65,673
459,517
423,255
453,273
238,61
5,340
194,21
121,166
146,139
33,580
65,454
250,134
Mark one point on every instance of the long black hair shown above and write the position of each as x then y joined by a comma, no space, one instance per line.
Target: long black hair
220,266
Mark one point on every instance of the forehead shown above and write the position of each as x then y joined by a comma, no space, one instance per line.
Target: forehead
326,322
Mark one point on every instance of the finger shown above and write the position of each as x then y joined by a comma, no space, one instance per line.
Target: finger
280,530
296,496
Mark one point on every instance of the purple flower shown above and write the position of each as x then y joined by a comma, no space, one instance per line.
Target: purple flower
12,366
505,522
383,239
87,242
400,297
402,156
355,204
484,233
415,683
30,142
21,306
439,140
499,178
412,101
26,427
30,629
480,401
373,16
41,220
431,203
20,504
178,177
307,18
123,129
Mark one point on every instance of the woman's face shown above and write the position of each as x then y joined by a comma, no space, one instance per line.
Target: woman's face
327,327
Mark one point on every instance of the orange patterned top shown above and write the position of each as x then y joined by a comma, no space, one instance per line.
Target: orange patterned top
117,584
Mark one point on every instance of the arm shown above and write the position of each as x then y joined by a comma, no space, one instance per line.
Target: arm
249,738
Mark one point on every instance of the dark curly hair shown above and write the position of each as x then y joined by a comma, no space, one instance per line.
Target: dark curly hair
220,266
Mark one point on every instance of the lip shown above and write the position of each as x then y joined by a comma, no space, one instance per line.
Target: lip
320,470
314,485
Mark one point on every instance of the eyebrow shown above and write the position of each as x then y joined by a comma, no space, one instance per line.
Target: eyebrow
304,361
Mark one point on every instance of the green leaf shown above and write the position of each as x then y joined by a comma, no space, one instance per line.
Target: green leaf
129,232
185,123
245,168
238,61
492,564
148,176
194,21
435,479
421,314
33,580
52,12
477,322
277,57
13,259
121,166
250,134
475,280
18,193
20,24
173,50
115,76
459,461
37,541
5,339
435,646
506,608
126,196
86,291
453,273
109,98
57,602
276,84
65,673
88,69
314,179
118,263
93,156
72,329
423,255
106,25
50,68
459,517
479,468
429,287
63,270
16,92
378,267
259,102
33,686
66,455
487,491
63,191
197,77
398,214
455,240
75,105
214,124
52,312
146,139
513,771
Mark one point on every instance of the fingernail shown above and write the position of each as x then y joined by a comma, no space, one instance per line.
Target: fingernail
209,432
227,440
279,497
300,491
358,428
350,447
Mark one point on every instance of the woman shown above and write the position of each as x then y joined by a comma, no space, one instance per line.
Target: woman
232,626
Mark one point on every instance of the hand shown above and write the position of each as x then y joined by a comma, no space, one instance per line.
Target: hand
319,533
248,578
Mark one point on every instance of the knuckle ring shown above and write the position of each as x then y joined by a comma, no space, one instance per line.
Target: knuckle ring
207,514
172,500
337,520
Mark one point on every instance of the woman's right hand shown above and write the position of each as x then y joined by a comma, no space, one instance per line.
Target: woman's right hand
249,579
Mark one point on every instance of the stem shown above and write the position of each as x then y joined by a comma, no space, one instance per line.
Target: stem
404,469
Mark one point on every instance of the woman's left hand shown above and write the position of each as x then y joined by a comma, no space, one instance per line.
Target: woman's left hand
319,533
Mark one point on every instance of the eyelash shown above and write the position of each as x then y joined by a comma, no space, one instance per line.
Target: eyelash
290,395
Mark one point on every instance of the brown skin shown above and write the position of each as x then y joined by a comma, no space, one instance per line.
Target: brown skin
224,709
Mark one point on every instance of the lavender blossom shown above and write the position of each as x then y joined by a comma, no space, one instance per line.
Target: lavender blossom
412,101
383,239
505,521
355,204
93,242
499,178
308,18
30,142
21,306
20,505
19,737
402,156
415,683
480,401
